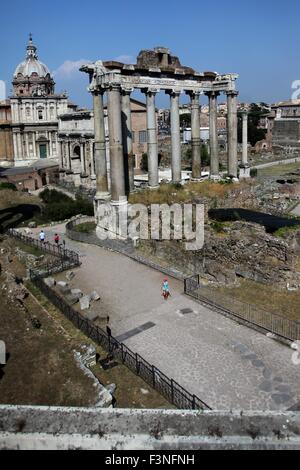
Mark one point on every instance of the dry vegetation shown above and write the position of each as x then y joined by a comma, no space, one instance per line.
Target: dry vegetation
41,369
171,194
284,303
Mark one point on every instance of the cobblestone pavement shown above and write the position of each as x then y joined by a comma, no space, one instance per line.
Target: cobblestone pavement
227,365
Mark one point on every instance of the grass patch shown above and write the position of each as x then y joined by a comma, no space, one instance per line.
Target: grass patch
171,194
31,250
218,226
284,303
87,227
279,170
285,231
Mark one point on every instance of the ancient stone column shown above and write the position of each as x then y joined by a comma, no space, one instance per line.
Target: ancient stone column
232,133
69,155
127,140
60,154
100,148
196,140
115,146
213,134
152,147
175,131
244,166
82,158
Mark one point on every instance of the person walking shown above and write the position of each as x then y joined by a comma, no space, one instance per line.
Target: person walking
56,239
165,289
42,236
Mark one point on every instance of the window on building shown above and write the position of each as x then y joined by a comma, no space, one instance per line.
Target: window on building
52,112
27,112
40,114
143,137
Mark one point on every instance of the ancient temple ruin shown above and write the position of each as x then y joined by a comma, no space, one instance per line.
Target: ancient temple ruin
155,71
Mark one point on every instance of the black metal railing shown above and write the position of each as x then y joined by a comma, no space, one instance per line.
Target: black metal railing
167,387
252,314
59,251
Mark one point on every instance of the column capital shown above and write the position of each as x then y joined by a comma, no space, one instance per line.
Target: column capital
212,93
97,91
193,94
126,90
232,93
173,92
150,90
114,87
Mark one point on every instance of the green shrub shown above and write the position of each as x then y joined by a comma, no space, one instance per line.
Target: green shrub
8,186
87,227
50,196
205,157
218,226
59,206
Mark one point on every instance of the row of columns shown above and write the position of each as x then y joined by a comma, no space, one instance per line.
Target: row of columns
232,121
120,139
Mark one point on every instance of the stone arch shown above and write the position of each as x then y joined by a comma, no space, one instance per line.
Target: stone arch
76,150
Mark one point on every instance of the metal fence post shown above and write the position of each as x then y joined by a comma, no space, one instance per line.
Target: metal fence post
172,391
153,377
194,402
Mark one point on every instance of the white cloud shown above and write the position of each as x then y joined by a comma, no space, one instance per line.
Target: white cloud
125,59
67,70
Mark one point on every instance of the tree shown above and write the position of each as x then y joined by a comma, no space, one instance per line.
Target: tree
205,157
185,120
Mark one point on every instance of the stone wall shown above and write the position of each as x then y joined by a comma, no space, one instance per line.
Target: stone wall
234,250
104,429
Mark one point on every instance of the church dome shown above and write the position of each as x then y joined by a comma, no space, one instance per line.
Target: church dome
32,65
32,77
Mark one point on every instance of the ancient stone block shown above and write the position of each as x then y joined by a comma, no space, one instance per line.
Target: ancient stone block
85,302
77,292
70,276
50,282
95,296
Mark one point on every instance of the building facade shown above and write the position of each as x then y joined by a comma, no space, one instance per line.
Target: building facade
284,124
34,111
6,137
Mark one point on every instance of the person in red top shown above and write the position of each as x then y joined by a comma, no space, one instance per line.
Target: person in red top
56,238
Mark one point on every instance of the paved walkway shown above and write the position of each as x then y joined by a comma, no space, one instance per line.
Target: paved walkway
296,211
227,365
277,162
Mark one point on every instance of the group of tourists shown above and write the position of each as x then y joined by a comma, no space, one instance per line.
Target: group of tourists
42,237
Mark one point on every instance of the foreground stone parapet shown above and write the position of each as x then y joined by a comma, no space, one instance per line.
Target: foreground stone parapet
106,429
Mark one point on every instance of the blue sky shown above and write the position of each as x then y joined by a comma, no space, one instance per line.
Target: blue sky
257,39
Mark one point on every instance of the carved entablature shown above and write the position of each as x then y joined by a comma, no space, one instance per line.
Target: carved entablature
156,71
